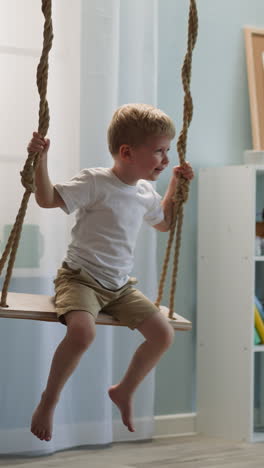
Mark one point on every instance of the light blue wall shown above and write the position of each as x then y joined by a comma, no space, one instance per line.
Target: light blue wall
219,134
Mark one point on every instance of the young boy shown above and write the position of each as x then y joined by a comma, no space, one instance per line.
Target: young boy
111,205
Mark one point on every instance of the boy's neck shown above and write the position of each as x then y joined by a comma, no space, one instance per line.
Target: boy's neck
126,178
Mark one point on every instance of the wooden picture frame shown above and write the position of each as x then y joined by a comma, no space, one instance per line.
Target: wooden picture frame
254,43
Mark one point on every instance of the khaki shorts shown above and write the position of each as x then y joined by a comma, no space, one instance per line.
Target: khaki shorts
77,290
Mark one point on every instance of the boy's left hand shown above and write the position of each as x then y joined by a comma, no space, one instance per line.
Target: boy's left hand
185,171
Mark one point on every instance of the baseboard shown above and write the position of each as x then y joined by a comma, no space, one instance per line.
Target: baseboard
172,425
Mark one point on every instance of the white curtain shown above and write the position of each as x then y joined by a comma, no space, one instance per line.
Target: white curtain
104,54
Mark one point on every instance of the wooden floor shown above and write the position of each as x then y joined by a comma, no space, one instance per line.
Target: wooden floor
180,452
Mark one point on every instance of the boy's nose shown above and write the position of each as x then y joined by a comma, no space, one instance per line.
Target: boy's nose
165,158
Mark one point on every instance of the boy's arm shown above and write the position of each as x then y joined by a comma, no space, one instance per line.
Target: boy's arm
167,205
46,195
168,202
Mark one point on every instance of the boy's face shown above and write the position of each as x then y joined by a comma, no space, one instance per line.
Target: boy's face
151,157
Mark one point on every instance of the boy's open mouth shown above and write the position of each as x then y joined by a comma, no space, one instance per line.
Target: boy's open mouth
158,169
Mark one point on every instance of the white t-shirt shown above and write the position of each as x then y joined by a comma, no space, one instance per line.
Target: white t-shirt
108,219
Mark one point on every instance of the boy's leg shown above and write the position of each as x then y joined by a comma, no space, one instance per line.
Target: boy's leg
80,334
159,336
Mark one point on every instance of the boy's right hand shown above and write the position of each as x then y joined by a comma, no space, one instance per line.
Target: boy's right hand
38,144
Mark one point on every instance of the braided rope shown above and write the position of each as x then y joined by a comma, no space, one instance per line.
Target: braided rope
27,174
182,190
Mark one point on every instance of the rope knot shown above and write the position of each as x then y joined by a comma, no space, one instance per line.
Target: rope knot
28,179
182,192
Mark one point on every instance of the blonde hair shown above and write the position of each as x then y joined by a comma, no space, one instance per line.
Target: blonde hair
131,124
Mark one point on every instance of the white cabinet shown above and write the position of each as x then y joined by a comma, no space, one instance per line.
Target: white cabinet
230,369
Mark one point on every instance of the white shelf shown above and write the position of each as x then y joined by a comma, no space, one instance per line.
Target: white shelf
228,403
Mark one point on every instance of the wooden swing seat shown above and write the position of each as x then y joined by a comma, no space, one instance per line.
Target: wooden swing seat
41,307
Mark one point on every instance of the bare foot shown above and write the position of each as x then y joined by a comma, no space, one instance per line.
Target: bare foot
124,404
42,419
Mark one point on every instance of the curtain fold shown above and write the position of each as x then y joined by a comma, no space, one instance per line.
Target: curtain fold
104,55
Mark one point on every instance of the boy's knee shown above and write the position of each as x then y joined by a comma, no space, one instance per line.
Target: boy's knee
81,333
158,330
167,336
81,338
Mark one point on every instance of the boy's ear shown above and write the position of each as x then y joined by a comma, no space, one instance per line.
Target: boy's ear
125,153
